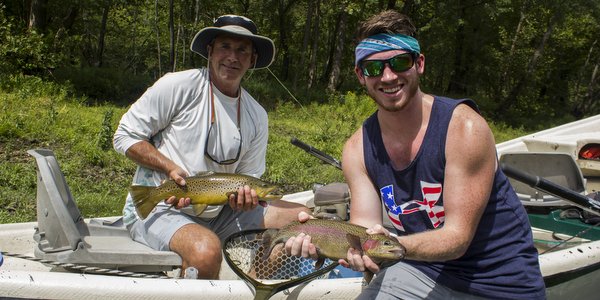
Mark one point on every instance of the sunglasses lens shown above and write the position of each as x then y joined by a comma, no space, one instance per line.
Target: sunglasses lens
373,67
398,63
401,62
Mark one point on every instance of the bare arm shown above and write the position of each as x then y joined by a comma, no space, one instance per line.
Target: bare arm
144,154
365,209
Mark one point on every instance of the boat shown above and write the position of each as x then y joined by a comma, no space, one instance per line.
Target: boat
64,256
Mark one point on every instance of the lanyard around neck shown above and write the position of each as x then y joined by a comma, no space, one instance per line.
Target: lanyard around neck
212,106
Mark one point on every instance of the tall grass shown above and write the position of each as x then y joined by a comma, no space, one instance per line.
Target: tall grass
39,114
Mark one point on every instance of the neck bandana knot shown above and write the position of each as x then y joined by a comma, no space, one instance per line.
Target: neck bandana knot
384,42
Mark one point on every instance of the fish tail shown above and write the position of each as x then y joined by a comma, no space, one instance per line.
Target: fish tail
143,199
267,238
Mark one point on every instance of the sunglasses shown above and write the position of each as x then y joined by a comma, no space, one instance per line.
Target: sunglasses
398,63
211,140
213,148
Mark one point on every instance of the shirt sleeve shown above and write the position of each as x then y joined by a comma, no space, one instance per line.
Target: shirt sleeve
151,113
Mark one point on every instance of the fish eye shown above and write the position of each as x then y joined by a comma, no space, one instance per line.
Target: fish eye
387,243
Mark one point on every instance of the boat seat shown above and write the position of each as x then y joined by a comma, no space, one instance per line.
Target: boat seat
559,168
63,235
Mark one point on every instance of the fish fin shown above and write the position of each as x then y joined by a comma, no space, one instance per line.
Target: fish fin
319,263
267,238
198,208
143,199
354,241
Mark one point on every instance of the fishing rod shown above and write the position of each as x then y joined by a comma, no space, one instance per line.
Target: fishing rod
316,153
581,201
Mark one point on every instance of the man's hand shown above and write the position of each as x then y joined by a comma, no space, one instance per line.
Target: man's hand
360,262
178,175
301,245
245,199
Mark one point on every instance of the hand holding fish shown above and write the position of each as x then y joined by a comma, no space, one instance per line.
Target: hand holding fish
203,189
245,199
301,245
178,176
320,238
360,262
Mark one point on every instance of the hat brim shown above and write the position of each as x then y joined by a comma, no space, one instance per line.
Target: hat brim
265,48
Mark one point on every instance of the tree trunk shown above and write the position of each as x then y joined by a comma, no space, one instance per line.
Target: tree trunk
532,65
391,4
580,100
312,71
171,37
408,8
304,49
37,15
157,29
334,77
458,77
513,46
283,10
592,94
100,53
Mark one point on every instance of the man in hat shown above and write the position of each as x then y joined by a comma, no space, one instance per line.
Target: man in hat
202,120
425,167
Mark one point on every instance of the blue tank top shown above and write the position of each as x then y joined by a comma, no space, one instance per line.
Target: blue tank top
501,261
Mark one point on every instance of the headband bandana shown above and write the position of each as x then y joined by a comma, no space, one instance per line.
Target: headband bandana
384,42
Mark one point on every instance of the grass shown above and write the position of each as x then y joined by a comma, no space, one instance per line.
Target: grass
38,114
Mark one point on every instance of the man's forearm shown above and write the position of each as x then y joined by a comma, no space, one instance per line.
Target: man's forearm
146,155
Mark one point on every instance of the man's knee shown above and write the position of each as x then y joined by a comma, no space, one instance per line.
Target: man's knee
198,247
193,240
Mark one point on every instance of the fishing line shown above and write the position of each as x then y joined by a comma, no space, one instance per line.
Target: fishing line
293,97
567,240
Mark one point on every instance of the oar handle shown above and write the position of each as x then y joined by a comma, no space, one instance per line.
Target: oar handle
552,188
317,153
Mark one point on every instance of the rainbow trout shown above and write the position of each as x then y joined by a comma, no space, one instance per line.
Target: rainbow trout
333,238
203,189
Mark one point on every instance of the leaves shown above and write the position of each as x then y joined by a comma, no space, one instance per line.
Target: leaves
492,51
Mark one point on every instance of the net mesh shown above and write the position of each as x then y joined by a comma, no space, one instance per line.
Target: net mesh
246,254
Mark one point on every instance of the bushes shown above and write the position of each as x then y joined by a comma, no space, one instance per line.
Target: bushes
22,53
104,85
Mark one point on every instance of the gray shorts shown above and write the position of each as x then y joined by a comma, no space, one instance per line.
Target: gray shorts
403,281
159,227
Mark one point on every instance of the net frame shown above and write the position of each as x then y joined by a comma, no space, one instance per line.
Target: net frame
244,251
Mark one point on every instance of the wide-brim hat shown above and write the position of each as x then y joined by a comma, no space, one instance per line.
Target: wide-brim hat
237,26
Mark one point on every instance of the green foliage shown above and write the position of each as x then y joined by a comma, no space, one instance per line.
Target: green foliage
38,114
27,53
324,126
104,84
41,114
106,131
532,60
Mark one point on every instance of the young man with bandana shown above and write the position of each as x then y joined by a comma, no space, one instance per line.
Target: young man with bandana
202,120
425,167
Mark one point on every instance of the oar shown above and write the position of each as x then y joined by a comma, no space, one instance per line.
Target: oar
581,201
317,153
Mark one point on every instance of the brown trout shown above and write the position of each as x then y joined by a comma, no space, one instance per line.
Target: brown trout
333,239
203,189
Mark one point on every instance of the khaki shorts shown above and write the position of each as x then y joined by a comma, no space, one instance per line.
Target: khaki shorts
159,227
